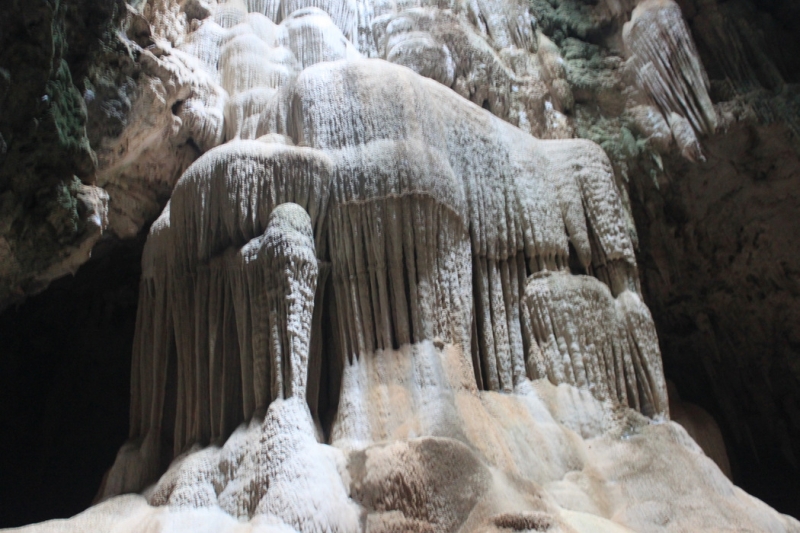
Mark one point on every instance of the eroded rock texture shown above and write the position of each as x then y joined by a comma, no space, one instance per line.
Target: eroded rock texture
390,290
728,331
51,211
723,307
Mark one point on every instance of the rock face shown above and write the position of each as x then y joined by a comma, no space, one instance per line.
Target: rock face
714,259
394,293
51,210
727,330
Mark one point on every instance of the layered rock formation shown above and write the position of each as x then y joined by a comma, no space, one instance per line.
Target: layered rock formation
377,301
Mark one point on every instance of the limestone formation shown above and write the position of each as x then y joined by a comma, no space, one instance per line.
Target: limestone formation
668,66
377,302
583,336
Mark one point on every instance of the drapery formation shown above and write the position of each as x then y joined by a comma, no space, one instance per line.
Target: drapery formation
437,222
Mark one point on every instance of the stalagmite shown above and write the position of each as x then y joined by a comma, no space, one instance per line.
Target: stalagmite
374,303
293,271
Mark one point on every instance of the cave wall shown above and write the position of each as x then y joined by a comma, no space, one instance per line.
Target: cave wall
64,356
715,237
51,212
718,247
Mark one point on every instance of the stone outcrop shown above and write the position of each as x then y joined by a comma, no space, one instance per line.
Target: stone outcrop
390,291
206,300
51,210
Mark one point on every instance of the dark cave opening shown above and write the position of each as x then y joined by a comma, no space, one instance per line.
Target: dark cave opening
65,385
331,368
758,466
714,242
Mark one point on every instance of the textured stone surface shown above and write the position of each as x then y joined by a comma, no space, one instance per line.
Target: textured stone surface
728,329
514,466
51,212
717,246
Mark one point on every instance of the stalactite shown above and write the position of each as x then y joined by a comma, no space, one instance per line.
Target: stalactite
361,307
668,65
293,273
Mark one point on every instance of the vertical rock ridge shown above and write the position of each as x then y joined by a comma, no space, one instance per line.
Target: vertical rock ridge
214,279
584,336
524,200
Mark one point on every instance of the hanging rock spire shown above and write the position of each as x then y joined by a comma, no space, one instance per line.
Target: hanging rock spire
289,249
668,66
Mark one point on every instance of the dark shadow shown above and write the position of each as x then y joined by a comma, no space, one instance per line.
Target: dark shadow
64,386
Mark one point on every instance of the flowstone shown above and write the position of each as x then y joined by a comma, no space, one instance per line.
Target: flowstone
378,305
